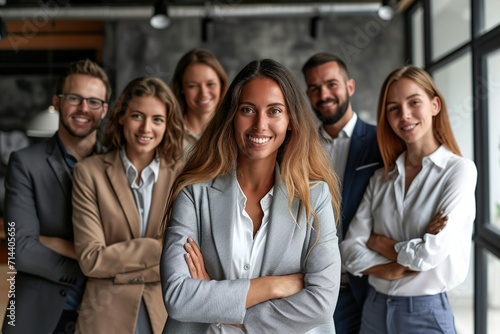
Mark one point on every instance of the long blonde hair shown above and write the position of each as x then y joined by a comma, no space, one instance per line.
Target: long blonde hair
391,146
301,157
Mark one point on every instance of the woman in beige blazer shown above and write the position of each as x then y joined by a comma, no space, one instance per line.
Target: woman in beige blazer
118,200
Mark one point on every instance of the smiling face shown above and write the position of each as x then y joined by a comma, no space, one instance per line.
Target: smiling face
409,111
201,88
261,121
144,126
80,121
329,91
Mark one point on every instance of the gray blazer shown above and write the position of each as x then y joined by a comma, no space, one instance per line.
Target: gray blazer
204,211
38,199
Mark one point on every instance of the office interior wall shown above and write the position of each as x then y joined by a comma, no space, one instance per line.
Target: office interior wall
371,48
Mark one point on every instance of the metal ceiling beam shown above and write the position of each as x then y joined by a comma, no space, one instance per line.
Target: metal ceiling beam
53,12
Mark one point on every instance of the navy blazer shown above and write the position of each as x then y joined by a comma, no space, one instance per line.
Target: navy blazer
362,161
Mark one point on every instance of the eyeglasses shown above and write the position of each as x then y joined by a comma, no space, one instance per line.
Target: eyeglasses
75,100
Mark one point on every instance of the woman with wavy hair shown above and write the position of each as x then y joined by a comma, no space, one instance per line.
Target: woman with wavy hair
199,83
118,202
250,240
412,232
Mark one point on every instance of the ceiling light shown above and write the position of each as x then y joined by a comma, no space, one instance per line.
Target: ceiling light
316,27
43,124
386,10
160,19
207,29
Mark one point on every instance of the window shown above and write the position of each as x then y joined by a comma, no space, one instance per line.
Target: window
450,23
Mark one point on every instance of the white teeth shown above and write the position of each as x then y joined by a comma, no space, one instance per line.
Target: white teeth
259,140
409,127
145,138
82,120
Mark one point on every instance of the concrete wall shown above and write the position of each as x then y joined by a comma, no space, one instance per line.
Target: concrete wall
370,47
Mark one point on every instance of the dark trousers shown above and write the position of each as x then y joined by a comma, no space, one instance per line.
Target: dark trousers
347,316
67,323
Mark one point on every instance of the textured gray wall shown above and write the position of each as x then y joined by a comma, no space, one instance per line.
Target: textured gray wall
370,47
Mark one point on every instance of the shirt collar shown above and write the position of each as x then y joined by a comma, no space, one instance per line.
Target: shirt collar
345,132
131,172
439,157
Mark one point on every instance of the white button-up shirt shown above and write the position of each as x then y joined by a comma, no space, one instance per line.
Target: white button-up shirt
338,148
446,182
248,251
143,192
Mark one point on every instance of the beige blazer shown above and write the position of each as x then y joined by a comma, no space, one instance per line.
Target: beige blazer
121,266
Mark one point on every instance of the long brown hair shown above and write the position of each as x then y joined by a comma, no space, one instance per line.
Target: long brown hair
197,56
301,158
170,147
391,146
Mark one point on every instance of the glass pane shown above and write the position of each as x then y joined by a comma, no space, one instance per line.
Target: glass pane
462,301
493,68
491,14
493,293
450,22
455,83
417,27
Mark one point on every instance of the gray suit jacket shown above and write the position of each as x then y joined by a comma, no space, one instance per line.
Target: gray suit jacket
38,201
205,212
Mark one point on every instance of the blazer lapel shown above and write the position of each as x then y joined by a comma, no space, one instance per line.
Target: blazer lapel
56,161
222,203
116,175
353,160
281,228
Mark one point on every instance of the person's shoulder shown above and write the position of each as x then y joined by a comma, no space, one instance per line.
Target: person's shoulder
34,155
95,161
365,129
461,163
318,187
34,149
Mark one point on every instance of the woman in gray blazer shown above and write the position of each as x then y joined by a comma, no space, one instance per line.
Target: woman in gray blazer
260,200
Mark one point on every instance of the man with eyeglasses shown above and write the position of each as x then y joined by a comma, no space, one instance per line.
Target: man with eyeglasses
352,147
49,283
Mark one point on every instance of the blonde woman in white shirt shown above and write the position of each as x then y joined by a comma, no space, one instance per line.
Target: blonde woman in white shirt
412,232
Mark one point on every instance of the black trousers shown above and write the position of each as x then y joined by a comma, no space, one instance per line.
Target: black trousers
67,323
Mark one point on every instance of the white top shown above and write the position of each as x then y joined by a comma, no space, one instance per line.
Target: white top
446,182
143,192
338,148
248,252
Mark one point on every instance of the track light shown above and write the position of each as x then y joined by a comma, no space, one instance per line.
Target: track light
160,19
316,27
386,11
3,29
207,29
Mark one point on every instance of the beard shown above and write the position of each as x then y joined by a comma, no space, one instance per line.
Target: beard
341,110
71,132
